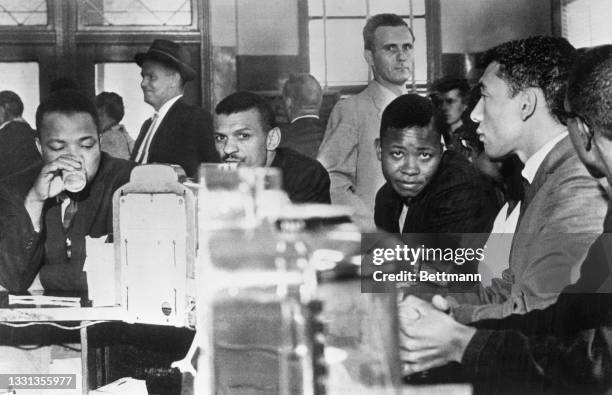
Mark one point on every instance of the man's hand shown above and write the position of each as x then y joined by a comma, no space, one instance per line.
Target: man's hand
48,184
428,336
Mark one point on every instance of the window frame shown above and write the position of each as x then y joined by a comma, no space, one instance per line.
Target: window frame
432,28
194,26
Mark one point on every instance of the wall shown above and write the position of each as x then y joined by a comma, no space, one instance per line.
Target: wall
256,44
476,25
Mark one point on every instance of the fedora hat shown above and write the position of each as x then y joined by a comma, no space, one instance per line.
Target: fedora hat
169,53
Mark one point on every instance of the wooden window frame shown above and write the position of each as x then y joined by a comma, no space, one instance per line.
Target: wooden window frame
434,46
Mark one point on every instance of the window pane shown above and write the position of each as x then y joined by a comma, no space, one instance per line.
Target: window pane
587,23
345,63
316,45
23,12
135,12
420,50
124,79
315,7
24,82
400,7
345,7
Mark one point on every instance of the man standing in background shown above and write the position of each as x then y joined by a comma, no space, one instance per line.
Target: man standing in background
302,98
17,139
178,133
347,151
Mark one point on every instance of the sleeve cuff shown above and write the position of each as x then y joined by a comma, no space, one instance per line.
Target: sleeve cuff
475,354
463,313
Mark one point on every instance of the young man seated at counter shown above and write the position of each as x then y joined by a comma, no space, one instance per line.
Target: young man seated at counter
428,190
246,134
567,347
43,225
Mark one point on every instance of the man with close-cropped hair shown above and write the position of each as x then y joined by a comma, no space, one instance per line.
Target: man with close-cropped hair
347,150
567,347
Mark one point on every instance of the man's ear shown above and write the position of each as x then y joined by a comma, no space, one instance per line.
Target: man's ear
369,57
528,103
273,139
38,144
378,148
288,103
584,130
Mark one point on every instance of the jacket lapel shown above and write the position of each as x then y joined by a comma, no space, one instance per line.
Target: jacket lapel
164,128
558,155
140,138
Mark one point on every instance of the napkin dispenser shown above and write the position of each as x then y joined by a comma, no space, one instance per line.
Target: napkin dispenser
155,243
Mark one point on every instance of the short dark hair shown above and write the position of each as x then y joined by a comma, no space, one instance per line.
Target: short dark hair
245,101
304,90
535,62
407,111
12,104
112,104
448,83
66,101
589,91
377,21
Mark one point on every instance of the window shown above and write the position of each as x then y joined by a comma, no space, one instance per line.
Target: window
586,23
23,12
124,80
107,13
25,83
336,41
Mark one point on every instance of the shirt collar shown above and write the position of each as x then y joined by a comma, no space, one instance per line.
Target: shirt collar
533,163
386,95
305,116
18,119
163,110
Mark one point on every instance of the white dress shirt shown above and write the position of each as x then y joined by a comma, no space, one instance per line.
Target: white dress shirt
146,142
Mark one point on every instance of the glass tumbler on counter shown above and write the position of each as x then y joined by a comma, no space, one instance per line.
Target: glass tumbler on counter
251,289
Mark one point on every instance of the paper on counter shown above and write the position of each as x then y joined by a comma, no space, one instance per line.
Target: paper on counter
126,385
100,268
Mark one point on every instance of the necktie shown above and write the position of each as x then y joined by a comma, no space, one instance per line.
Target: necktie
143,152
526,199
69,214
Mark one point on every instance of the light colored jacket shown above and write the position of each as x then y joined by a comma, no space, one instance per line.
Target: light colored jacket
349,154
562,219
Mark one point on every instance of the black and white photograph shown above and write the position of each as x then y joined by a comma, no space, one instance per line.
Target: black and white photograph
305,197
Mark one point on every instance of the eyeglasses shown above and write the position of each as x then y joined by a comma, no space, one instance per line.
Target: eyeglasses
565,115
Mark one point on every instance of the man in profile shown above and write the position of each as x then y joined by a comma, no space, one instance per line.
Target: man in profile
17,139
302,96
347,150
522,92
246,134
178,133
567,347
42,225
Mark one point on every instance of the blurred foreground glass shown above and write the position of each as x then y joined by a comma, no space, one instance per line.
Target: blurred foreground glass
252,285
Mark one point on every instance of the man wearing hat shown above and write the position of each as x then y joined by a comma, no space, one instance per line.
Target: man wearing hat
178,133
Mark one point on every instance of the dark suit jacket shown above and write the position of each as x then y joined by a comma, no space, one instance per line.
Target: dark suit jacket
304,136
17,148
23,251
304,179
184,138
456,200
